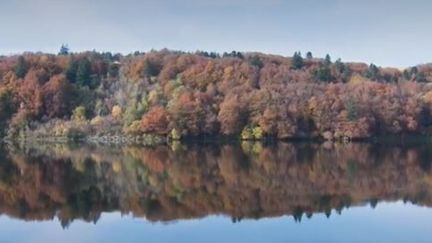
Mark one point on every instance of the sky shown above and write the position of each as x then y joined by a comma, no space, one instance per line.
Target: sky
385,32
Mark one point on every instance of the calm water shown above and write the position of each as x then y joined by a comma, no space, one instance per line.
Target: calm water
202,193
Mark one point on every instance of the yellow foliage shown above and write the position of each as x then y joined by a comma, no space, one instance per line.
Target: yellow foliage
428,97
117,166
134,128
357,79
312,104
246,134
252,133
97,121
59,130
257,133
116,112
79,113
175,134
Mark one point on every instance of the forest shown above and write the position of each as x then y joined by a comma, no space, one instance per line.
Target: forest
180,95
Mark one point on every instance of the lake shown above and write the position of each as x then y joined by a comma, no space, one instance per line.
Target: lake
245,192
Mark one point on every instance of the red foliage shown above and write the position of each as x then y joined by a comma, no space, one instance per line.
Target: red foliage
155,121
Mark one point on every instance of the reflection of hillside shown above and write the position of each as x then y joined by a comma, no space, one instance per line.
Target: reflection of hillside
168,183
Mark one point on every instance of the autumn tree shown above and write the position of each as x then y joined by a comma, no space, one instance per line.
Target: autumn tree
191,115
155,121
30,95
79,113
57,96
232,116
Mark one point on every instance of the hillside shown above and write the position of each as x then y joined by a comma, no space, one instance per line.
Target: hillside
180,95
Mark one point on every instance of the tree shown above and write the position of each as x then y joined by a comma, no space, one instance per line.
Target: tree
297,61
373,72
79,113
346,74
309,55
323,73
71,70
421,77
406,75
116,112
232,116
113,70
327,60
6,107
64,50
83,72
351,108
150,69
57,96
21,67
256,61
30,94
414,71
236,54
155,121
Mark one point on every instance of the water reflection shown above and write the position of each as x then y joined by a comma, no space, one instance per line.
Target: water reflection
166,183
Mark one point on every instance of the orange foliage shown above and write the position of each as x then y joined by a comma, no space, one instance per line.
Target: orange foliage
155,121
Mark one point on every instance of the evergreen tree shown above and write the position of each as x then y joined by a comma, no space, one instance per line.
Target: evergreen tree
71,71
297,61
406,75
309,55
340,66
421,77
233,54
256,61
351,108
323,73
414,71
151,69
64,50
83,72
346,74
327,60
373,72
21,67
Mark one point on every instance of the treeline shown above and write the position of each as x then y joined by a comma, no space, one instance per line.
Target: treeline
180,95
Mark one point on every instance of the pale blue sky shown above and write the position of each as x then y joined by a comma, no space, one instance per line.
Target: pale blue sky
388,33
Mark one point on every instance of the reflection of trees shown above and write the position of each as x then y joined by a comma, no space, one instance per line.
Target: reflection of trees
247,181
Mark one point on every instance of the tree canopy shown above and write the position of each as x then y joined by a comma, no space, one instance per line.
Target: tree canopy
250,95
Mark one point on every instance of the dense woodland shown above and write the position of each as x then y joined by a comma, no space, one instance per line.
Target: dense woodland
252,181
181,95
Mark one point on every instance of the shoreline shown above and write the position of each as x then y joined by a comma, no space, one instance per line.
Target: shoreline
153,140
